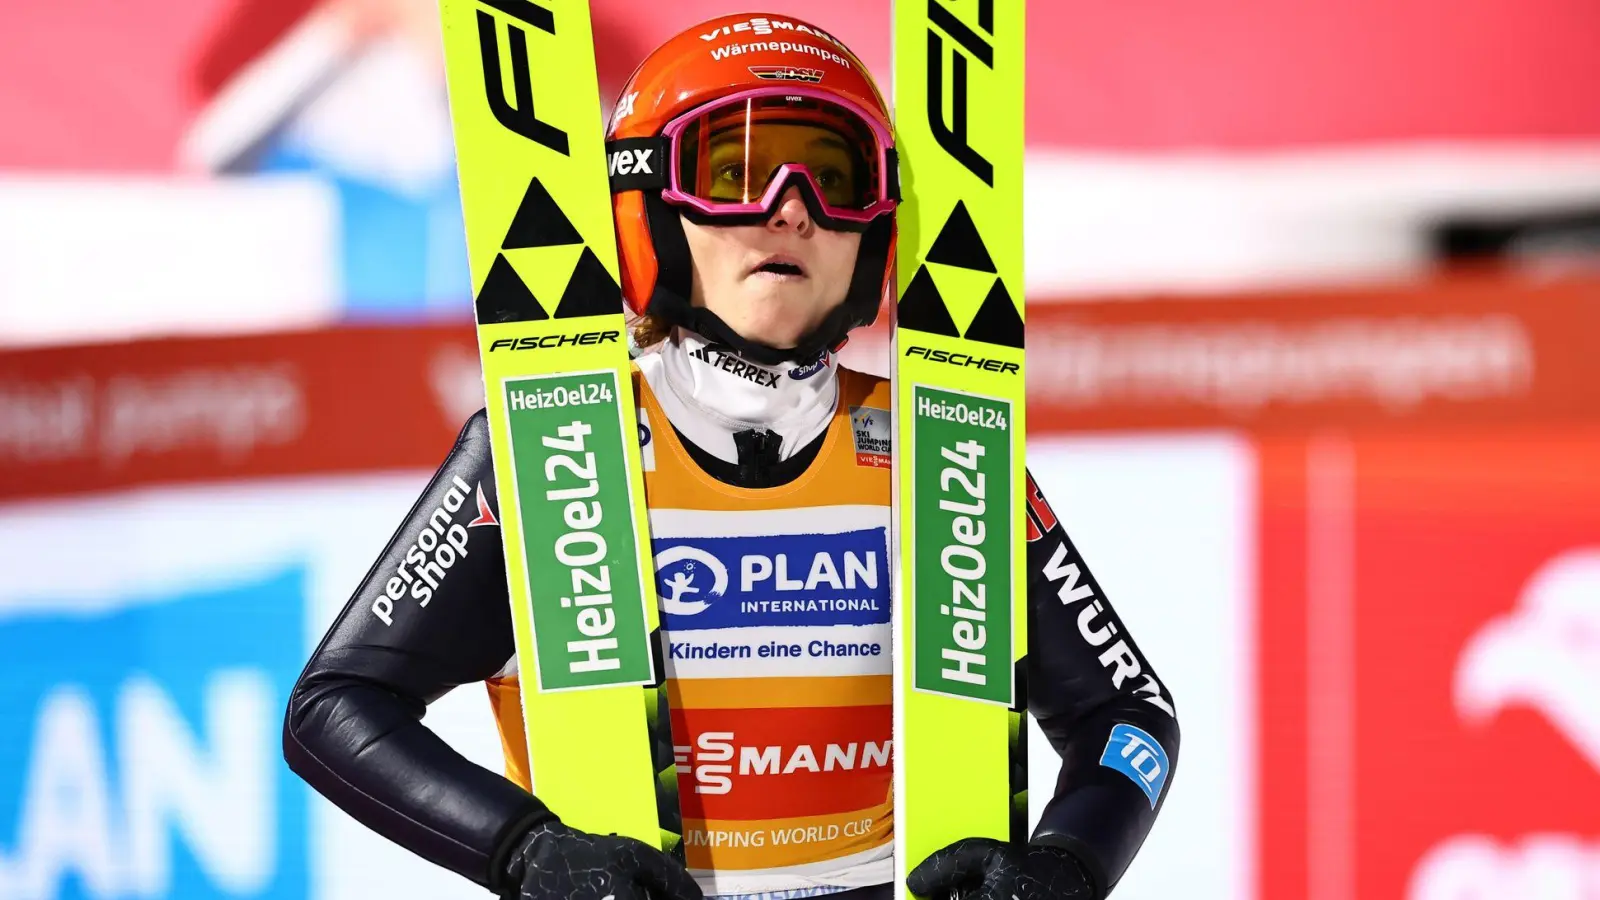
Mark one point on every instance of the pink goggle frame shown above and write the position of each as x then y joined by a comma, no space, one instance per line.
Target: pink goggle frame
786,174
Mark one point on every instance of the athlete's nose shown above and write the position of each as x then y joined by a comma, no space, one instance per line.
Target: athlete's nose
791,213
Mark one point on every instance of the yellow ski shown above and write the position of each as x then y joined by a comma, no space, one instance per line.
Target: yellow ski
961,610
525,106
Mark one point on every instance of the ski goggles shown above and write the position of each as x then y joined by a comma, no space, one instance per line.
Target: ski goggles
736,158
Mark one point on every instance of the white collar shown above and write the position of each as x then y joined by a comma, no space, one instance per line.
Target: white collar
708,392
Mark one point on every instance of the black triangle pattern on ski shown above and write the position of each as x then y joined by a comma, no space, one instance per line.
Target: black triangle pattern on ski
997,321
505,298
959,243
922,307
539,222
591,291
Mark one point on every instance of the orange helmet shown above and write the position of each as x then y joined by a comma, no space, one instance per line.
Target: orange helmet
680,143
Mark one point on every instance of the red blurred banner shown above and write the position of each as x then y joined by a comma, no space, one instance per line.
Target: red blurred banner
1428,652
1468,349
89,418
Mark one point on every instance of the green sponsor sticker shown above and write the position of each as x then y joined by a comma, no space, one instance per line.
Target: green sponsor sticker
962,507
568,465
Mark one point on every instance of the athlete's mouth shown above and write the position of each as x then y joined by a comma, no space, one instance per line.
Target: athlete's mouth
781,266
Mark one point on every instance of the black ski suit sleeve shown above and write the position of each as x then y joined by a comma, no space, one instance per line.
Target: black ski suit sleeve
1088,686
431,614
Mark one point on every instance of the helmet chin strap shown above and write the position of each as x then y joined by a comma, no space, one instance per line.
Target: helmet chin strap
827,337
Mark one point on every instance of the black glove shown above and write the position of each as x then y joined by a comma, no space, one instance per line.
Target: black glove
987,869
555,862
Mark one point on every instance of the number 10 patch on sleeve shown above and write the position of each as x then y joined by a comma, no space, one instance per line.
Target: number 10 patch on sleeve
1134,753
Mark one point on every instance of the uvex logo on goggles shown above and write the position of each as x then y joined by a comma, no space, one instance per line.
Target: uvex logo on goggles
637,164
630,162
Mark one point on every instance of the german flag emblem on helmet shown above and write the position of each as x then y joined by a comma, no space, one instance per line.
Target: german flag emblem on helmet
786,73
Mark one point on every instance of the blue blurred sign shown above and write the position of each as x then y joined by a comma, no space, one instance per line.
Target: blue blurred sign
140,746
